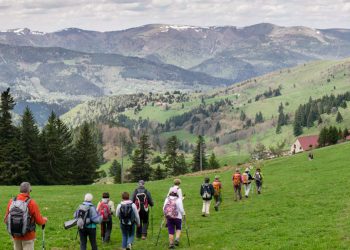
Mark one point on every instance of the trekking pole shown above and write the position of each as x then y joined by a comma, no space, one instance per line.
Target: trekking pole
160,229
152,221
186,228
43,229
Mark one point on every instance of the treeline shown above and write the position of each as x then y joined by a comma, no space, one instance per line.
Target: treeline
306,115
269,94
331,135
46,157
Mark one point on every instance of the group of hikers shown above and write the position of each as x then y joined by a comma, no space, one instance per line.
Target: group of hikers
23,213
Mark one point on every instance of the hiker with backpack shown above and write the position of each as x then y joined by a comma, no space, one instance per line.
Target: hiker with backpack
142,199
258,180
174,212
207,193
21,217
106,209
87,218
247,181
237,184
128,216
217,192
177,183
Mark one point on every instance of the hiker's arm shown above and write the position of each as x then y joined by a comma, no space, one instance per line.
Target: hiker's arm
150,200
94,216
35,213
201,190
134,196
98,205
7,211
136,213
180,206
112,207
117,212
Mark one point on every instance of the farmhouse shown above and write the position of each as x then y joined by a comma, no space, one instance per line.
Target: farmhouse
304,143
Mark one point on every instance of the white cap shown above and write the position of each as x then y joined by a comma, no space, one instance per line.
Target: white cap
88,197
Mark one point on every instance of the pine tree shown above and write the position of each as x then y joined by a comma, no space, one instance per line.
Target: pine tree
14,166
116,171
297,127
159,173
198,155
31,145
322,138
85,157
171,155
213,163
339,118
242,116
141,169
217,127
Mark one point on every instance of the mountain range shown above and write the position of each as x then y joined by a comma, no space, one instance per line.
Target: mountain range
61,69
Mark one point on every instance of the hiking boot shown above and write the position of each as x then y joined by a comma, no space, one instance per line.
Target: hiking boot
216,208
128,247
246,196
177,243
203,215
143,237
171,246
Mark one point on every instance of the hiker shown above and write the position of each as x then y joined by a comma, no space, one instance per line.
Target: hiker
217,192
247,181
18,210
237,184
177,183
87,217
106,209
142,199
258,180
128,216
174,212
207,192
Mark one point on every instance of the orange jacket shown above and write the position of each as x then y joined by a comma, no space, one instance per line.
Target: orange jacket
33,212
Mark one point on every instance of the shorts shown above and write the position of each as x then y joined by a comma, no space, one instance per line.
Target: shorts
173,224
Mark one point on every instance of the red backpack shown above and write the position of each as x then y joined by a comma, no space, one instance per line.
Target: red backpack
104,211
141,201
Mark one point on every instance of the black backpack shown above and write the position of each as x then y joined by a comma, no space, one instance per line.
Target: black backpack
141,200
206,192
127,216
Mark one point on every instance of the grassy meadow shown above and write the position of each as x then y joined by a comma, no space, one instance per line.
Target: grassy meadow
304,205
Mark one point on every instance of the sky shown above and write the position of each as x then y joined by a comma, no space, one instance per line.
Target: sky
107,15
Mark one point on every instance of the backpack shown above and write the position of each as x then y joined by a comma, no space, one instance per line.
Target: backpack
82,215
141,201
18,219
104,211
127,216
170,210
216,185
237,179
245,178
258,176
206,192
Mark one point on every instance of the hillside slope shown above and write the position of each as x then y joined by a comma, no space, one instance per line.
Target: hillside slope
302,207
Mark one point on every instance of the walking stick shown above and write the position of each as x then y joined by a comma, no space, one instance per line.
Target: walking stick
160,229
186,228
43,229
152,221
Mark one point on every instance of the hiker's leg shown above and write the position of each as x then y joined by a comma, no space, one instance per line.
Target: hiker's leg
17,245
145,224
207,207
131,234
28,245
171,230
124,231
240,191
108,230
103,230
139,229
203,208
83,239
236,190
92,238
249,185
178,226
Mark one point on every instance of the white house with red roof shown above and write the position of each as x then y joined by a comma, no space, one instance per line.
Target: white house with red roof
304,143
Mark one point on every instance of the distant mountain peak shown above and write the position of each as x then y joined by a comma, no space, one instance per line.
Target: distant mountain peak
23,31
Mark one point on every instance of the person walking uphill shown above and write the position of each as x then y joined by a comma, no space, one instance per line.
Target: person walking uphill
142,199
128,216
87,218
174,212
237,184
106,209
217,192
20,210
258,180
177,183
207,192
247,181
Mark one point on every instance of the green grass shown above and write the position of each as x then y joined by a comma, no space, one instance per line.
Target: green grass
304,205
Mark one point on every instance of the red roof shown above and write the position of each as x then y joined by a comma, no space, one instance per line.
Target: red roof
307,141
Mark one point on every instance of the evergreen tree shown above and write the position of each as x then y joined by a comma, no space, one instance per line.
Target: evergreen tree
345,133
333,136
31,145
198,155
320,121
213,163
339,118
14,166
159,173
217,127
322,138
116,171
297,127
242,116
141,169
174,163
85,157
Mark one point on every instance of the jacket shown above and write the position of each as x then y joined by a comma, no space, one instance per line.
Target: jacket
134,209
142,189
211,190
94,217
34,212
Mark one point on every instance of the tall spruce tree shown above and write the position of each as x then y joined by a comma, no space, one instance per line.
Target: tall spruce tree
339,118
159,173
14,166
297,125
199,155
85,157
141,169
171,161
116,171
213,163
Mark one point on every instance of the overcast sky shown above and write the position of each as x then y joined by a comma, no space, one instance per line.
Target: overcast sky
102,15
